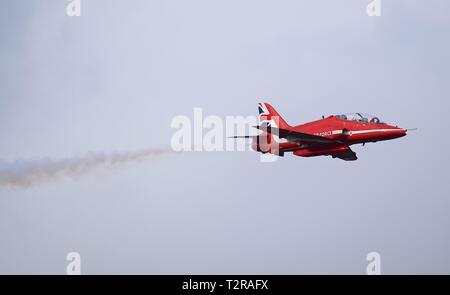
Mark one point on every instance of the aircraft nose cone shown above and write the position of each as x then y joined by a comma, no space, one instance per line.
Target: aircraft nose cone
395,131
401,132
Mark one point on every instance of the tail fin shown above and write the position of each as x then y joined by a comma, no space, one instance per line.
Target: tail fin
267,114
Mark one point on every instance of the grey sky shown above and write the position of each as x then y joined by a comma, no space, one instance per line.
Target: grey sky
112,80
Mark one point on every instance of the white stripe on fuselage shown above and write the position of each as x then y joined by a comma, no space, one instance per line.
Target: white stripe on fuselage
335,132
371,131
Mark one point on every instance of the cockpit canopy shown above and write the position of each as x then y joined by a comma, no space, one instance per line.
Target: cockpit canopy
360,117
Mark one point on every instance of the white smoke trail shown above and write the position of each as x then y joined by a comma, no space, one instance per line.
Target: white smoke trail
26,173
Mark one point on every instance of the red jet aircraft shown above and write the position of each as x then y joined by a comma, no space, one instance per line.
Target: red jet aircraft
330,136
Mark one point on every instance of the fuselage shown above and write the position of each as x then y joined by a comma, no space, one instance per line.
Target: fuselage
347,132
351,131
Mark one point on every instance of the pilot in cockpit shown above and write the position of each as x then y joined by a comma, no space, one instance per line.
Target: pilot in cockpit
358,117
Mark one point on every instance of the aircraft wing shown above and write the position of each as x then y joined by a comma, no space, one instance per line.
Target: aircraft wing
297,136
347,155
